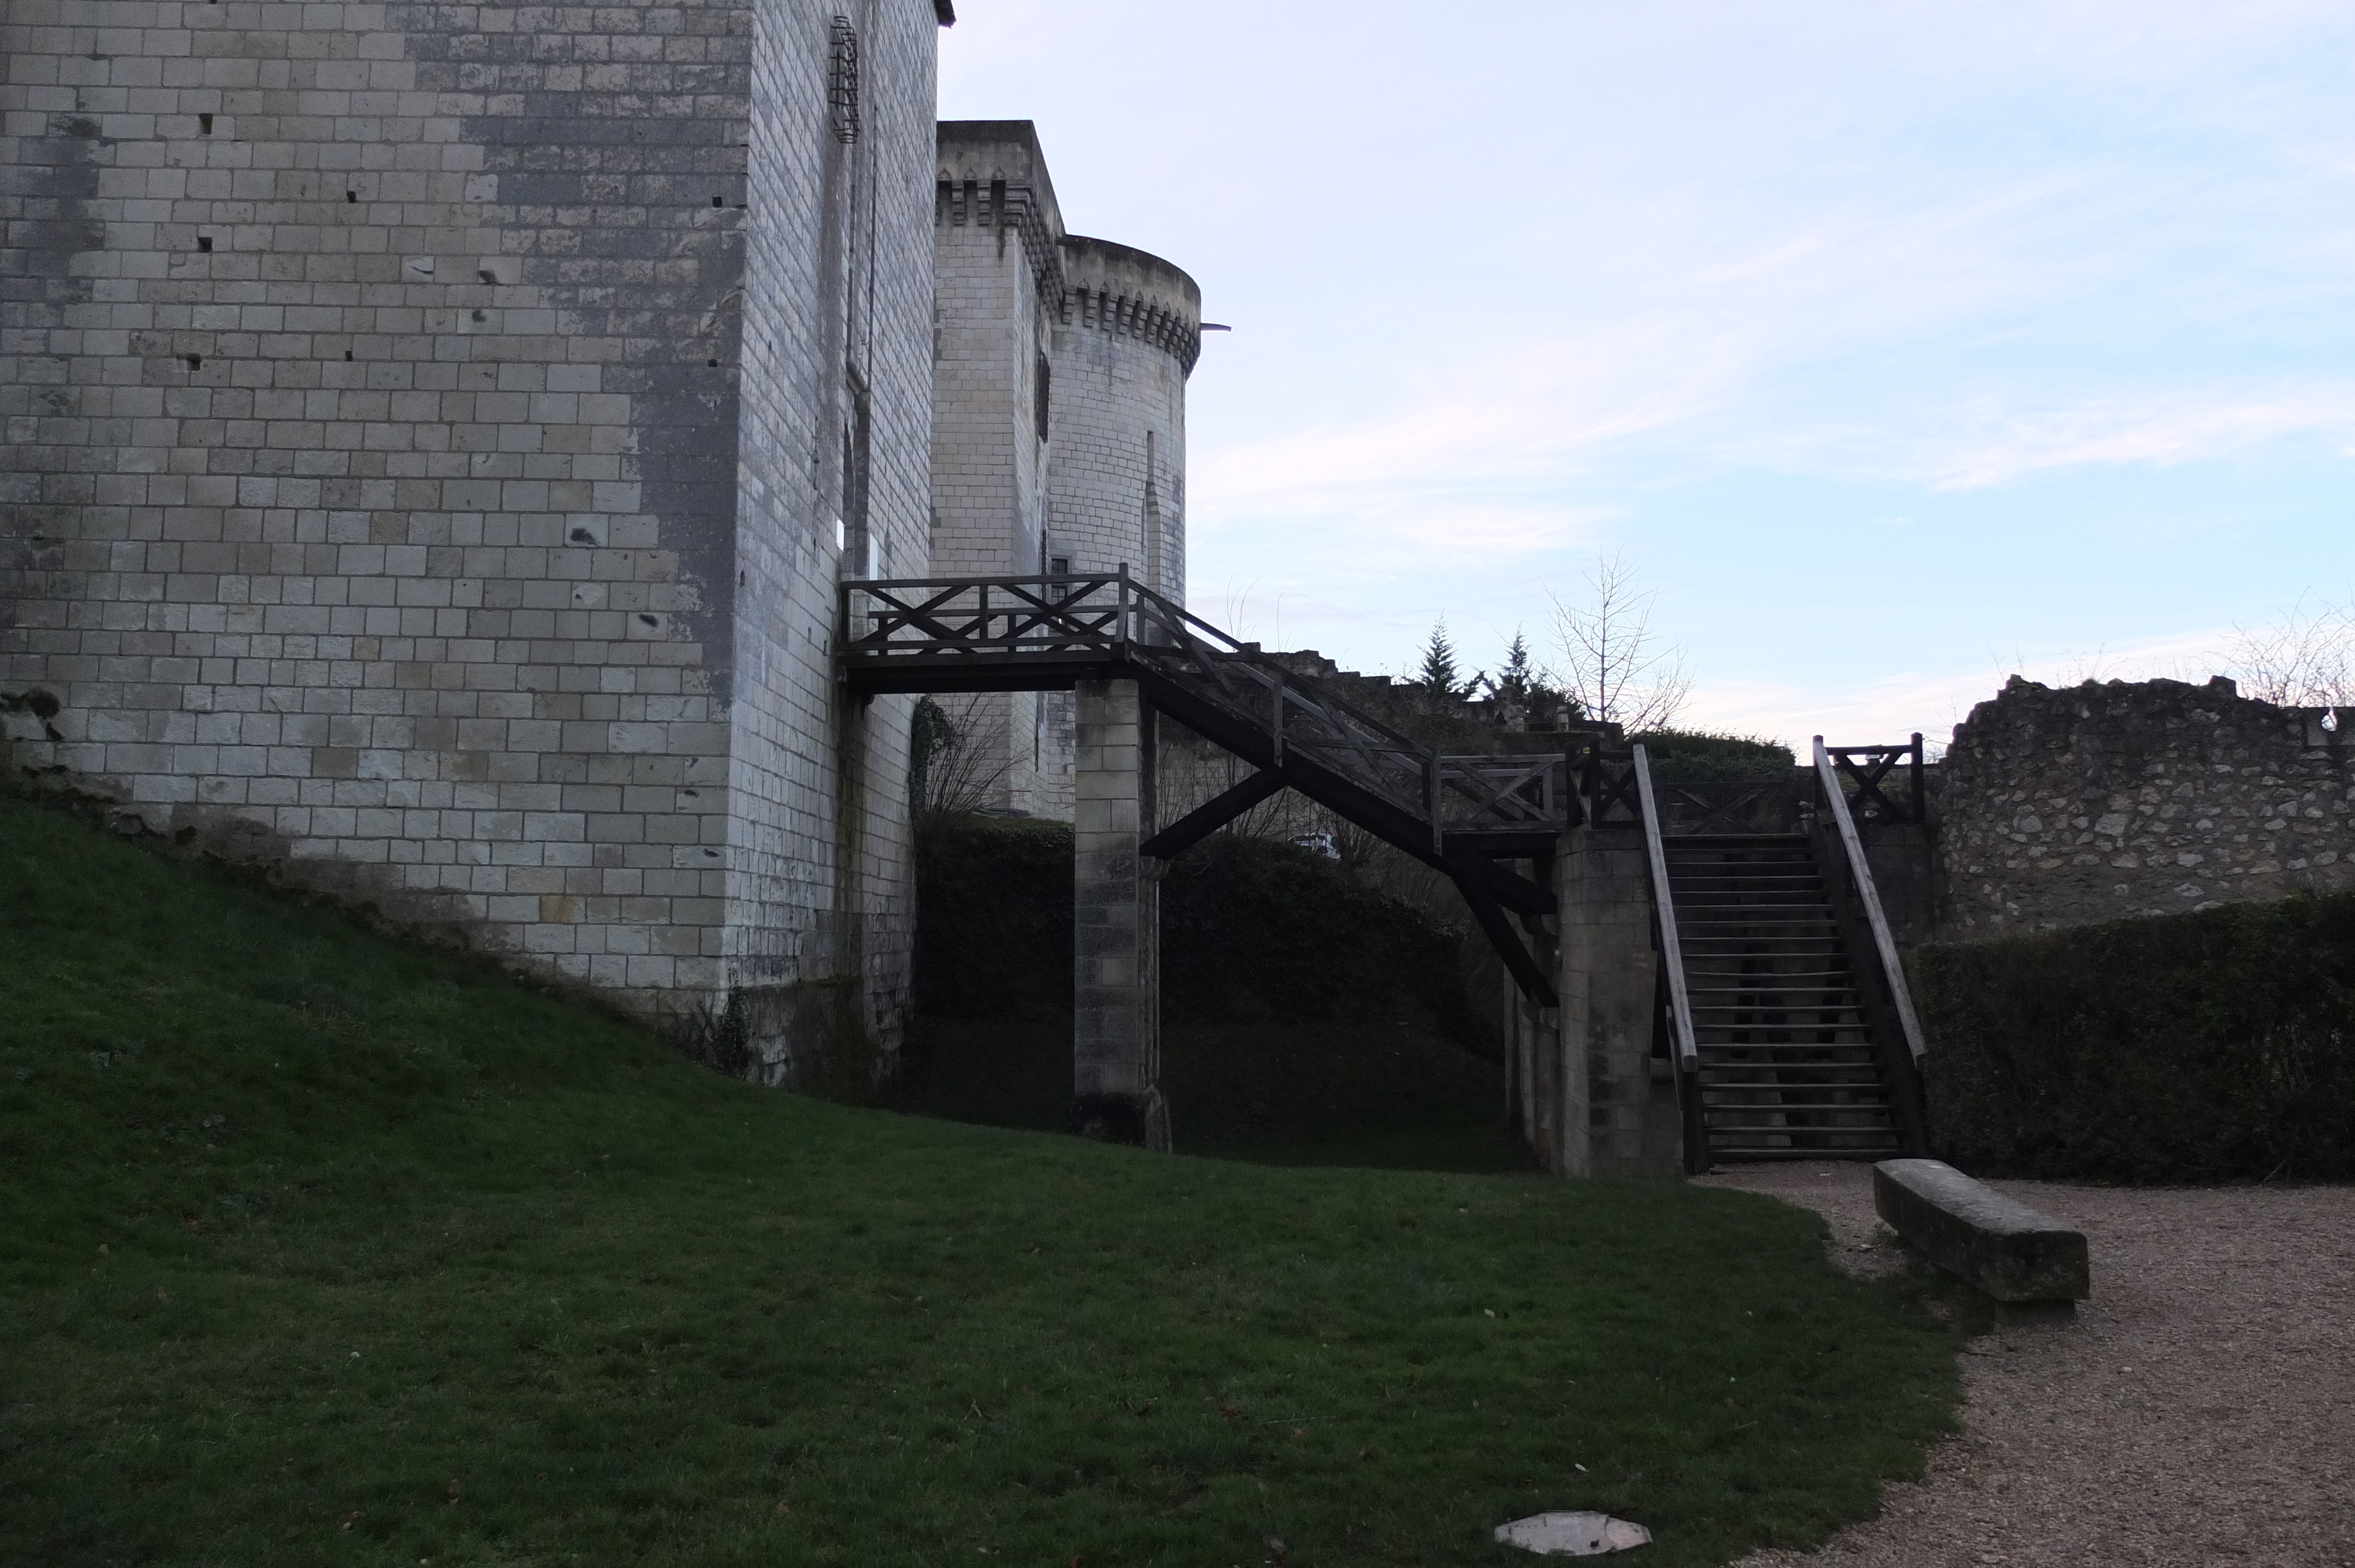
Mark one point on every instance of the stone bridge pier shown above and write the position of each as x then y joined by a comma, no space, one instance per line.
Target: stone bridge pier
1116,894
1588,1093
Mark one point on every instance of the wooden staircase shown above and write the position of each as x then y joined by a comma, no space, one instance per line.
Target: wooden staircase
1789,1067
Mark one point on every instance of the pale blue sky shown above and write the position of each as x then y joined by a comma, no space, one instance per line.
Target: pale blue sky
1898,347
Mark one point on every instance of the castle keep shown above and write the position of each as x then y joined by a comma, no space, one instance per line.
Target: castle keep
435,435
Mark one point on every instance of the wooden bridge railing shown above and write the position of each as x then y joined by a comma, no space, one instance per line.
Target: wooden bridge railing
896,632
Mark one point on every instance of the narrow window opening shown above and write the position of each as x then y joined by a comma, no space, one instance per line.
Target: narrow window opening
204,124
867,553
717,201
1043,395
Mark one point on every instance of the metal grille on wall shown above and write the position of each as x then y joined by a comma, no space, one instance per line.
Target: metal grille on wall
842,80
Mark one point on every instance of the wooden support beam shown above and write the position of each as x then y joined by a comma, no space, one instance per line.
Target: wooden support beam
1210,816
1507,942
1508,888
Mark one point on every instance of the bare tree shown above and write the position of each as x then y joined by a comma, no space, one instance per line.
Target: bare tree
1614,664
952,772
2306,659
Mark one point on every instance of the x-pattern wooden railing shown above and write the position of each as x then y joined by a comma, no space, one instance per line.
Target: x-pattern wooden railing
941,621
1506,789
1730,806
1607,786
1866,767
946,618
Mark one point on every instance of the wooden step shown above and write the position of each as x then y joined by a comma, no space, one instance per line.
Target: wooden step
1863,1046
1710,1085
1729,1153
1831,977
1797,873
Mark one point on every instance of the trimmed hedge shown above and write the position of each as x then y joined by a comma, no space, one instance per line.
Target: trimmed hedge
1698,757
1252,932
2215,1046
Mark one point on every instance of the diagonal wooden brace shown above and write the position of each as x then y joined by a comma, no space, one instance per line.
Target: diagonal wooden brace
1210,816
1507,942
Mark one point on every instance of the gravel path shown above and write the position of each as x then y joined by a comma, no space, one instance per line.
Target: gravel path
2201,1411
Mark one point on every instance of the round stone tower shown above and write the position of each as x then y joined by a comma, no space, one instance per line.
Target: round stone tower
1126,337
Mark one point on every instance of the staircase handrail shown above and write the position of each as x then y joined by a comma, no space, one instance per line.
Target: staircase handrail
1892,967
1664,918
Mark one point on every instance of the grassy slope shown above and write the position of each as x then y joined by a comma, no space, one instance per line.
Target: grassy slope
315,1249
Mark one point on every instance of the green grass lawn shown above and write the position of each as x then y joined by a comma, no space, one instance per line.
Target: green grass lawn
318,1249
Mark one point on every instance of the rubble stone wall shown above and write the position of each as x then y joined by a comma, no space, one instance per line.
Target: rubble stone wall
2101,802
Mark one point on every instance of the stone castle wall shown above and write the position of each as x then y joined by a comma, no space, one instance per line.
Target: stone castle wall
995,224
1127,333
375,385
1059,425
836,420
2098,802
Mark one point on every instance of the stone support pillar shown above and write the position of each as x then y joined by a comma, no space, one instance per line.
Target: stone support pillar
1116,979
1617,1114
1536,1044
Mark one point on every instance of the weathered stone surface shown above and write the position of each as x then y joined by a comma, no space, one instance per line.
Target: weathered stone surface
1116,922
2102,802
428,430
2001,1246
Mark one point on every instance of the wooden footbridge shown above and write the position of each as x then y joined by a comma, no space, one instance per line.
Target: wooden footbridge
1470,817
1781,1005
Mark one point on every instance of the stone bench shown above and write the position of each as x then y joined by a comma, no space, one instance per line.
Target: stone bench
2029,1262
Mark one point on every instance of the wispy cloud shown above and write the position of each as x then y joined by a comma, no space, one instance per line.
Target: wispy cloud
2188,425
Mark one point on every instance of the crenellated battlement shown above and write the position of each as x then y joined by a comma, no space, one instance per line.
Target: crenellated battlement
992,175
1129,293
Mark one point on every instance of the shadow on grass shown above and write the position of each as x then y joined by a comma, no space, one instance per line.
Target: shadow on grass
1383,1097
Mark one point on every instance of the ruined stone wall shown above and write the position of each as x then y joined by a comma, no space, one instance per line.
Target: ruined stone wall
372,378
2100,802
